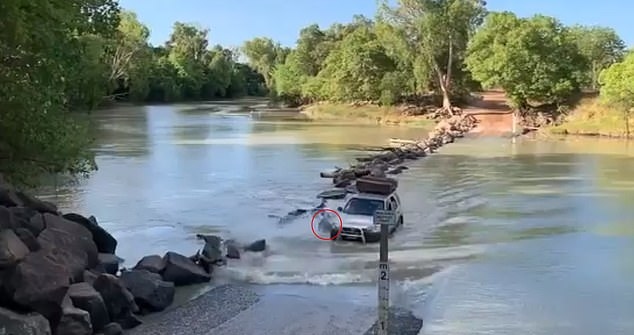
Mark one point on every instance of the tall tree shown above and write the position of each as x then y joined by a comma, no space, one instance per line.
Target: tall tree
218,72
354,70
264,55
187,47
130,58
436,33
39,47
533,60
601,46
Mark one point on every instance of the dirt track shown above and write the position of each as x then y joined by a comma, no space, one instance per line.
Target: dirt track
495,117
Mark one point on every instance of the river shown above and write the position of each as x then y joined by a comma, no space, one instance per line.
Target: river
535,237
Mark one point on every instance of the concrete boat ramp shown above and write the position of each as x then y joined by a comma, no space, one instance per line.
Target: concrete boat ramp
277,310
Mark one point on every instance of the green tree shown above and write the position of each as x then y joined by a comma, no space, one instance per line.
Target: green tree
264,55
533,59
436,33
187,48
40,44
354,70
218,73
87,78
601,47
130,57
617,88
165,84
289,78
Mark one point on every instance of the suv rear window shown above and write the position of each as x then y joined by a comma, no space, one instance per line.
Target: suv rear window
358,206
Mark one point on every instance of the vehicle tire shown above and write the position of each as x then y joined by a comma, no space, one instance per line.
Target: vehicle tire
400,221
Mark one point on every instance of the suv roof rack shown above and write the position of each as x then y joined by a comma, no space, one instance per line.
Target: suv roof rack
376,185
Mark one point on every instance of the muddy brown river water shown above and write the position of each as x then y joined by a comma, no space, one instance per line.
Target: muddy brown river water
535,237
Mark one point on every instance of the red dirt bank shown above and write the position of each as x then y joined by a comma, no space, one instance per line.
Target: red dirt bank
495,117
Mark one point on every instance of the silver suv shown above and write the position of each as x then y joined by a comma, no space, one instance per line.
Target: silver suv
358,216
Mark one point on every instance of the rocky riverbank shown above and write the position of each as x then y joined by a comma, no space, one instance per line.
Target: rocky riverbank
59,273
388,160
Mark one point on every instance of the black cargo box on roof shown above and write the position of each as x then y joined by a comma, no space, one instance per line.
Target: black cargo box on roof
376,185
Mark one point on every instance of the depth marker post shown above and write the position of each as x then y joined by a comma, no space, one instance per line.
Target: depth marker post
385,219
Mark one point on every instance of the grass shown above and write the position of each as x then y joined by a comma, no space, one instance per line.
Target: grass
593,118
369,114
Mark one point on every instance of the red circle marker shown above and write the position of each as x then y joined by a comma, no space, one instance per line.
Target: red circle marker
312,224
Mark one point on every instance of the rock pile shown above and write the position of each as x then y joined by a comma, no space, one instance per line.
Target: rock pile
59,273
389,160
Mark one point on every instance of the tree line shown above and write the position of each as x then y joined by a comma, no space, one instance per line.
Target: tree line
58,56
442,47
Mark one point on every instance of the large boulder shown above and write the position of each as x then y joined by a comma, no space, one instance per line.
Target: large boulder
181,270
112,329
108,263
6,218
150,292
8,196
12,249
119,301
37,204
35,224
85,297
72,242
152,263
105,242
27,237
12,323
39,283
90,276
23,217
74,321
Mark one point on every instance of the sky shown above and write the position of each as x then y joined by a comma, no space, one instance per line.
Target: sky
232,22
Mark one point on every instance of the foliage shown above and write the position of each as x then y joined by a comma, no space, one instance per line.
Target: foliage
413,48
591,116
44,44
600,46
532,59
435,33
617,87
264,55
60,56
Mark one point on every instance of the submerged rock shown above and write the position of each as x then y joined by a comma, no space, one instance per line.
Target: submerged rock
257,246
233,250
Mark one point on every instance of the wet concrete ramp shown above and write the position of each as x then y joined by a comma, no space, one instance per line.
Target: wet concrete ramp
237,310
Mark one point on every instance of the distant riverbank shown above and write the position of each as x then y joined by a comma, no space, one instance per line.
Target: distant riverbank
367,114
592,118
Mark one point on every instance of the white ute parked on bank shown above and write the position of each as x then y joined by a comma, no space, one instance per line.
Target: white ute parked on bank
358,212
